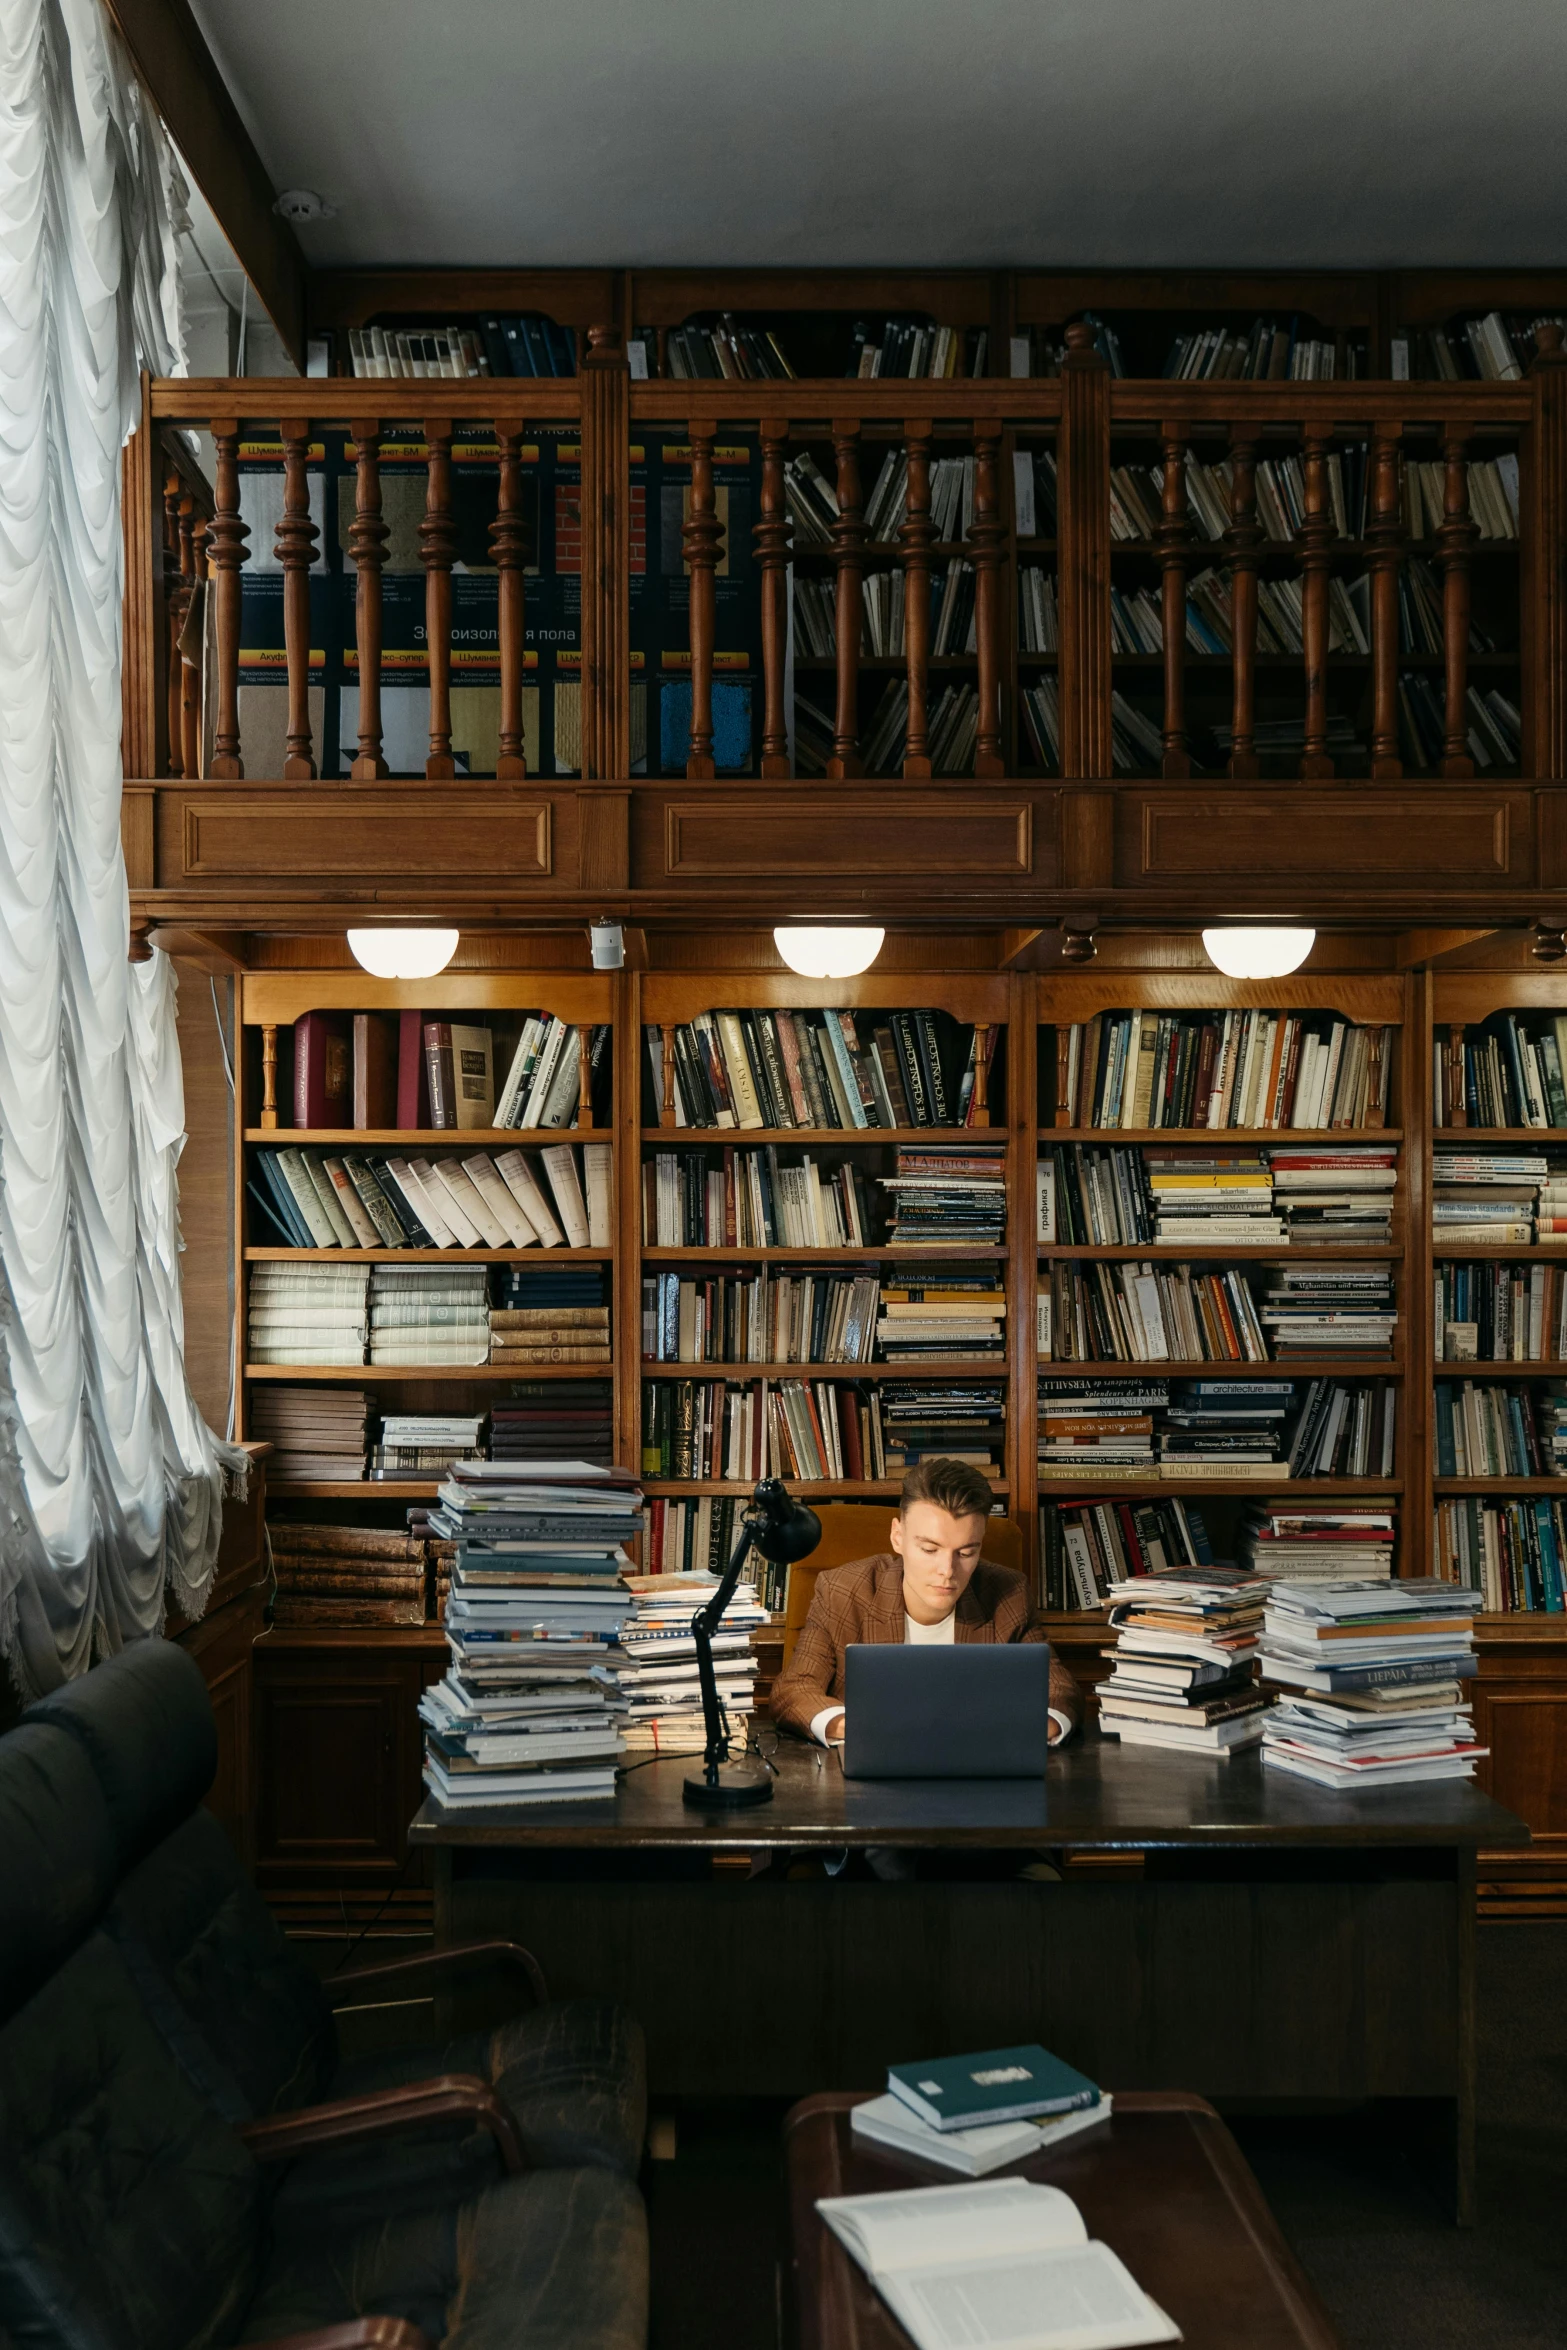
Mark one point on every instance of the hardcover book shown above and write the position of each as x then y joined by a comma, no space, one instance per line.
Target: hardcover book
997,2085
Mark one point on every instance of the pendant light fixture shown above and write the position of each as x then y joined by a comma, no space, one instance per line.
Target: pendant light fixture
403,954
1244,953
827,953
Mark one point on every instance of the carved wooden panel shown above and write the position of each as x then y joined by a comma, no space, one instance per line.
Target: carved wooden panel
1524,1722
1409,836
275,836
338,1751
881,832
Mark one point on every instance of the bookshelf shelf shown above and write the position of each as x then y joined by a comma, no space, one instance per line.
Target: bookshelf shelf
360,1489
1078,1488
423,1137
871,1253
1505,1488
383,1374
1217,1137
1193,1253
1504,1250
1494,1370
431,1256
944,1367
829,1488
1300,1367
859,1135
1445,1136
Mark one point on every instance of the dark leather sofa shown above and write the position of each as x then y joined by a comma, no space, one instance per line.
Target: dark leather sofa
169,2176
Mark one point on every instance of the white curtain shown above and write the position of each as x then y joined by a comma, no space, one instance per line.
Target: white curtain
110,1484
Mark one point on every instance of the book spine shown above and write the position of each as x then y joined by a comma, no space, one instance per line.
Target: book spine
440,1073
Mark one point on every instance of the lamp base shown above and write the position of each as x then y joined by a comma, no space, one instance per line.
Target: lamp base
739,1784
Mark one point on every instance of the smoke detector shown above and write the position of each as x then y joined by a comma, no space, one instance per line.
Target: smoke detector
303,204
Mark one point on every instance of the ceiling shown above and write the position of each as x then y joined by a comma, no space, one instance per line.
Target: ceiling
1163,133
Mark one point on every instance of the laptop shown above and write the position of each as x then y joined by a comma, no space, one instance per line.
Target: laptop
971,1711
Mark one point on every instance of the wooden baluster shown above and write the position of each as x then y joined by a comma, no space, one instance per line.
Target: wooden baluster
1454,540
176,599
666,1107
295,540
987,535
1241,542
269,1074
916,534
1385,543
226,553
1064,1102
772,539
367,537
509,553
585,1076
980,1109
193,563
848,546
701,539
1313,542
438,547
1174,531
1457,1085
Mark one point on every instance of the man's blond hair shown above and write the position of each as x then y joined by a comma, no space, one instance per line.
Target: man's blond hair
954,1486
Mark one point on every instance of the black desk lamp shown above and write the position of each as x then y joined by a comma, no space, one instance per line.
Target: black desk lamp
783,1531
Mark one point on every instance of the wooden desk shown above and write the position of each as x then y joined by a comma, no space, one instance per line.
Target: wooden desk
1281,1943
1164,2185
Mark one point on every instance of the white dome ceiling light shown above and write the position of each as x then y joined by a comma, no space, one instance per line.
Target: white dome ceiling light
827,953
403,954
1257,953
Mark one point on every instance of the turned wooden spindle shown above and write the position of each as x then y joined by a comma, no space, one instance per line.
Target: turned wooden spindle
1457,1077
509,554
916,536
848,547
1454,540
226,538
987,536
584,1075
1385,545
438,549
701,540
193,566
295,539
1241,542
979,1114
1063,1115
268,1074
1314,542
773,548
1173,536
666,1106
367,537
176,600
1375,1114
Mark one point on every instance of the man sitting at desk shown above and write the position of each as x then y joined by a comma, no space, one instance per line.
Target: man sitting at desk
931,1586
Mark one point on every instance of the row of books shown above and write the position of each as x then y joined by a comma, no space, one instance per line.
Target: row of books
1514,1071
408,1318
1137,497
1153,1429
1183,1668
1129,1196
1514,1552
818,1318
1257,1069
525,343
1496,1197
1495,348
904,347
1488,1429
883,612
349,1577
728,352
1151,1313
1493,725
822,1069
945,1195
1090,1545
812,500
1137,616
554,1198
1372,1682
717,1431
399,1069
1039,626
1500,1313
755,1199
951,732
1268,351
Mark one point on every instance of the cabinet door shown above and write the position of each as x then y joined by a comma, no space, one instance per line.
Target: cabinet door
1524,1723
338,1753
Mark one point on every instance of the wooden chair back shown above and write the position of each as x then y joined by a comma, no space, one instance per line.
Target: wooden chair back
856,1530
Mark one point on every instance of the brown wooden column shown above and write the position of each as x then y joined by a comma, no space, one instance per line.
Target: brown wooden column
606,556
916,535
193,565
1174,533
701,540
438,547
987,538
509,553
772,540
1241,542
1385,543
1083,508
848,546
1543,562
295,539
367,537
226,553
1313,542
1454,540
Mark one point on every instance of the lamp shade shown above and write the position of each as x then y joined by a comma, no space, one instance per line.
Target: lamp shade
827,953
1257,954
403,954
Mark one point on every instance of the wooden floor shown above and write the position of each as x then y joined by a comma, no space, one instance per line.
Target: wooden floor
1354,2202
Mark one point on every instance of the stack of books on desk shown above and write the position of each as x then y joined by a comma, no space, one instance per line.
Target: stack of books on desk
1213,1201
1184,1664
535,1610
657,1661
1372,1675
1319,1546
975,2113
1487,1197
941,1195
1320,1309
1336,1191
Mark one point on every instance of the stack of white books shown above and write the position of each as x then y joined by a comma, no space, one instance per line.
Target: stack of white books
1373,1677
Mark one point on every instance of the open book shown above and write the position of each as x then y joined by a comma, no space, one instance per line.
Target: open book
1001,2265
